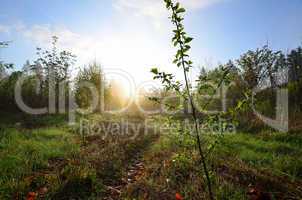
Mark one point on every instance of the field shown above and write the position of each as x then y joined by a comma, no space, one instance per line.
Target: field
51,160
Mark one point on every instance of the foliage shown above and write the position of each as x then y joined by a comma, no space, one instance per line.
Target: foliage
54,64
93,75
49,71
262,70
259,66
52,69
3,65
268,160
23,153
182,60
294,63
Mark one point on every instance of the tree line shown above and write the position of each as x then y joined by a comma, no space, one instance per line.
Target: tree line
263,68
48,80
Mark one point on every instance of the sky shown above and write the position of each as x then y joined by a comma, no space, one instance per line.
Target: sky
135,35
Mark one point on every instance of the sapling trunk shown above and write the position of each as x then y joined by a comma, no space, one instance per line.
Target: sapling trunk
181,39
197,131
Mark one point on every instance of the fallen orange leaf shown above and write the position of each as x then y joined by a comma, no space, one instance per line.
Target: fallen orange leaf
31,196
178,196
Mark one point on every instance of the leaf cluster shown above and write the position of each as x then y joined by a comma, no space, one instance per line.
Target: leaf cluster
180,38
167,79
4,65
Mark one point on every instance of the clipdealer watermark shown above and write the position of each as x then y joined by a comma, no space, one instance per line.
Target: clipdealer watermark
280,122
128,128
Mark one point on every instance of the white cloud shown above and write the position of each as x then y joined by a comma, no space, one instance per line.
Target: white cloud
198,4
135,51
132,45
41,36
141,7
4,29
155,9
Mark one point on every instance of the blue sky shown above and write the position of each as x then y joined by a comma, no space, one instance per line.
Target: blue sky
134,35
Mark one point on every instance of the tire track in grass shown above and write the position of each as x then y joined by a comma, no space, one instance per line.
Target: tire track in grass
134,171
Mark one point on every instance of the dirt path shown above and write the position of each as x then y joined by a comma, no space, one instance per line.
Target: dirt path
134,172
135,169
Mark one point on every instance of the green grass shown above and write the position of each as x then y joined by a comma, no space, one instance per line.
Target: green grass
169,170
23,152
32,121
279,153
268,159
44,152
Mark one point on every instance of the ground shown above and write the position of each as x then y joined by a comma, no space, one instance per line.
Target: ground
47,159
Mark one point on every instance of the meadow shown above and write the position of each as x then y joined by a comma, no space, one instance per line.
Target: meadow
231,131
52,161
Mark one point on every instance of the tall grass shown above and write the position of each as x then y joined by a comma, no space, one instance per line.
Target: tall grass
23,152
278,153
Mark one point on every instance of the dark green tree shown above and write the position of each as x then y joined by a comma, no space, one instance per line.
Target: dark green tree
294,63
260,68
92,74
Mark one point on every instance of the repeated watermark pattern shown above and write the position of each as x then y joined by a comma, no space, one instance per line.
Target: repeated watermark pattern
280,123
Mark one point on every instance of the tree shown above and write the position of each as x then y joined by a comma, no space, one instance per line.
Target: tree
294,63
7,86
92,74
53,70
260,67
182,41
4,66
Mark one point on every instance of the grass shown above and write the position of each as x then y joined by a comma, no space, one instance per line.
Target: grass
50,155
268,161
171,170
32,121
279,153
24,152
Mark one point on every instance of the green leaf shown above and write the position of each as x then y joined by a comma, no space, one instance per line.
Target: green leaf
188,40
181,10
179,53
187,46
174,38
176,6
168,3
154,70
